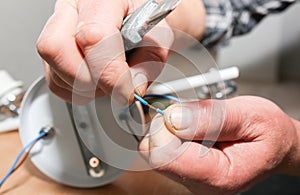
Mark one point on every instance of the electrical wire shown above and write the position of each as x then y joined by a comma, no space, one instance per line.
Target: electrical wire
145,103
22,152
169,97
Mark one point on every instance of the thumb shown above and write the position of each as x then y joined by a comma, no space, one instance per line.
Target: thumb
215,120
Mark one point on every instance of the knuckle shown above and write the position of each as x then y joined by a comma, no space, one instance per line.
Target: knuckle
88,35
49,47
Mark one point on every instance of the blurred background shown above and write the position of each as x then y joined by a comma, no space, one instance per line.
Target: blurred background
21,23
268,57
270,53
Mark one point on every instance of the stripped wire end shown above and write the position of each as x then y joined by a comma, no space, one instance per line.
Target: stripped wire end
47,131
145,103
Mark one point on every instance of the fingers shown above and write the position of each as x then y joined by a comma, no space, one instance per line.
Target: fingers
68,96
82,44
66,92
252,128
185,162
162,147
57,46
215,120
99,39
149,58
159,141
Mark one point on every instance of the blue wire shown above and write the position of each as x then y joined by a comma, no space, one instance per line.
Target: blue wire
160,111
12,169
144,102
169,97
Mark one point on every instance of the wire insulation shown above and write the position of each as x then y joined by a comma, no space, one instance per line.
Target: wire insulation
169,97
142,101
145,103
22,152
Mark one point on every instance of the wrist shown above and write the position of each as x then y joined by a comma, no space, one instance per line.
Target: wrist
292,164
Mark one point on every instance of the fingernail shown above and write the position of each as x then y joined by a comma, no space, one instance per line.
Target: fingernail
140,82
179,118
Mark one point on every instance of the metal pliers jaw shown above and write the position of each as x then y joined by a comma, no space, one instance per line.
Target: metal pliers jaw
137,24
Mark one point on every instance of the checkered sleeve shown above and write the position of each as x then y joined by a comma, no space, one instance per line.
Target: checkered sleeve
229,18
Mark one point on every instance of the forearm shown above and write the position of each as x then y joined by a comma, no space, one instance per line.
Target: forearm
189,17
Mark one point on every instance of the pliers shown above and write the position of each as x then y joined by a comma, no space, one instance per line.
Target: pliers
137,24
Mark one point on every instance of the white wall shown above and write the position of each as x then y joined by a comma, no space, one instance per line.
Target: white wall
290,48
20,25
259,54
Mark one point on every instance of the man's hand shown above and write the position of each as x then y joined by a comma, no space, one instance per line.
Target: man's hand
254,139
84,53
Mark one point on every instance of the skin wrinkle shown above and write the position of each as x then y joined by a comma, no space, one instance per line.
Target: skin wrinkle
64,94
233,118
205,111
177,177
247,122
218,179
55,75
264,167
59,82
232,182
108,73
293,156
222,162
215,126
229,161
88,93
287,143
157,56
49,50
73,87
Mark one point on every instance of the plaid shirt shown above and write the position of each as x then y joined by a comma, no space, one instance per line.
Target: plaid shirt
228,18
